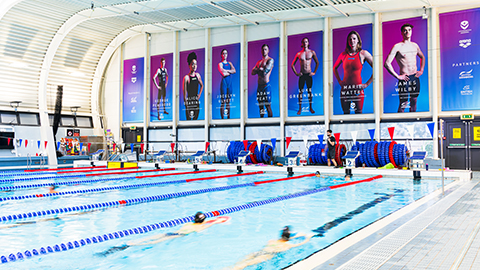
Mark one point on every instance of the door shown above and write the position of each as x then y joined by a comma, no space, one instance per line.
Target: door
474,145
456,145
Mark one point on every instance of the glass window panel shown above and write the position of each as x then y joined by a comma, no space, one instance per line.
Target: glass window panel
191,134
262,132
225,134
84,121
68,121
9,118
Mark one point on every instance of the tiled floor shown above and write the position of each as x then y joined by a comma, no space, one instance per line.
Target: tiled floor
444,236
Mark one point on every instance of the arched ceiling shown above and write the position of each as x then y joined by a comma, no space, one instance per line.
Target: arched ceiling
45,43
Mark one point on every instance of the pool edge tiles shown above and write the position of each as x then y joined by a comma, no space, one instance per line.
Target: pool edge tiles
330,253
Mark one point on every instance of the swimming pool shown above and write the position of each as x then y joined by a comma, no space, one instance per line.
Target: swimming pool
332,214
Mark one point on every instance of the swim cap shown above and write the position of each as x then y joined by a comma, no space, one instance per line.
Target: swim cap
199,217
285,233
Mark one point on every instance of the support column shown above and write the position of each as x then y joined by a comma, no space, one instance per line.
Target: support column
327,74
243,80
433,51
207,83
146,96
174,81
377,66
282,84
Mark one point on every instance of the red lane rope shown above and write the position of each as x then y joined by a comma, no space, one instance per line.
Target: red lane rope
58,169
356,182
283,179
101,169
177,173
223,176
139,171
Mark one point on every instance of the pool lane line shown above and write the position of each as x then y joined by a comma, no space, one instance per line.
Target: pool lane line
40,195
79,175
329,225
177,173
167,224
59,169
283,179
97,170
224,176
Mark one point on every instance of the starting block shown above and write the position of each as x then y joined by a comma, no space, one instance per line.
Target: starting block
350,158
242,156
292,158
198,157
417,160
159,155
96,155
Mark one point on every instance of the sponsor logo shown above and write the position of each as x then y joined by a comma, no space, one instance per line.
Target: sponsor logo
134,69
466,74
133,100
466,91
464,27
134,79
464,64
465,43
133,110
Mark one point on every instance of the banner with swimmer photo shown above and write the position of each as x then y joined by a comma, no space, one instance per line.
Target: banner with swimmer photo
191,85
305,74
460,60
352,70
405,72
133,91
161,87
226,81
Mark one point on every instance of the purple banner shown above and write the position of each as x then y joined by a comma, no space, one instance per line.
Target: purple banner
305,75
405,77
192,74
226,82
352,69
133,92
263,71
460,60
161,87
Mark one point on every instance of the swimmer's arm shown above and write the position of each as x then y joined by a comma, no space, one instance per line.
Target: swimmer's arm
336,66
293,64
166,78
307,238
369,59
222,71
232,69
268,67
154,79
388,62
316,63
422,61
255,69
185,80
201,85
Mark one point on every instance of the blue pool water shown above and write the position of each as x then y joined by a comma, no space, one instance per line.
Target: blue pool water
218,247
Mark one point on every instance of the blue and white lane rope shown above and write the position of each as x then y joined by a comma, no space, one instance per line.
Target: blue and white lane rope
67,183
166,224
44,177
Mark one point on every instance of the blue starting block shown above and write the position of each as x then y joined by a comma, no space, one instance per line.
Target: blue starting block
159,155
96,155
350,158
198,157
292,158
417,160
242,156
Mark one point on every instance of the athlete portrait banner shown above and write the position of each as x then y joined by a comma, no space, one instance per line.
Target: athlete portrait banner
161,87
460,60
305,74
226,82
133,92
352,69
191,85
405,73
263,73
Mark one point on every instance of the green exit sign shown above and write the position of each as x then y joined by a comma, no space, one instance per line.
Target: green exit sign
466,117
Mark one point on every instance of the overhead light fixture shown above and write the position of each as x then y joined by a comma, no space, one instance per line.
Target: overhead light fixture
92,6
15,104
74,109
424,15
136,12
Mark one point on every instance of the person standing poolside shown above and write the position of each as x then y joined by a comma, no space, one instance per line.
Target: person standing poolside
405,53
272,248
352,88
305,57
191,83
226,69
263,69
162,76
331,142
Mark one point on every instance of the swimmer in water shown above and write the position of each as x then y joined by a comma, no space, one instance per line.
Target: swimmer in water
317,174
51,189
272,248
198,225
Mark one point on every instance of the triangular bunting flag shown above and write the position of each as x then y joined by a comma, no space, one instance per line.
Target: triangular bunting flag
172,145
131,147
274,143
289,139
207,144
81,146
372,133
431,127
259,144
26,143
45,143
320,138
9,140
354,136
337,137
245,144
305,141
38,144
142,146
88,146
391,130
58,145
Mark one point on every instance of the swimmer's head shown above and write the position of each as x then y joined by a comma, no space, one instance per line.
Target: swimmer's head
199,217
285,233
305,43
317,174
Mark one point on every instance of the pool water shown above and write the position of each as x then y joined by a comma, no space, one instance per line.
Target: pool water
334,213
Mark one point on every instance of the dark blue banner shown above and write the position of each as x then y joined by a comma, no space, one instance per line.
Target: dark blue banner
460,60
133,92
